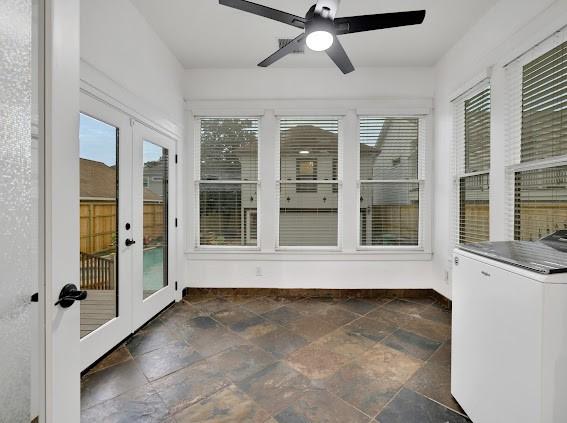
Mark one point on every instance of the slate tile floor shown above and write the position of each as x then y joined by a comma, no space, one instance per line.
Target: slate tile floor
238,358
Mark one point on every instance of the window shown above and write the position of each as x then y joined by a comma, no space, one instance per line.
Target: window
308,210
228,183
472,145
539,140
389,182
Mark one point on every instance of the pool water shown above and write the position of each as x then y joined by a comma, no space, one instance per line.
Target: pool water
154,261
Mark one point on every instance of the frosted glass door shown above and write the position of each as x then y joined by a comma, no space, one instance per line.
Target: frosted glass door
19,227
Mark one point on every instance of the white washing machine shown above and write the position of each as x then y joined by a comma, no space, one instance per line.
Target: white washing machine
509,335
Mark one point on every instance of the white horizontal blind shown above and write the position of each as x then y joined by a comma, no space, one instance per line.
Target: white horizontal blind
228,184
472,164
308,185
390,186
537,143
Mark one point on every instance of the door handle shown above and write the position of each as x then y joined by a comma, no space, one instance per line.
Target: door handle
129,242
69,294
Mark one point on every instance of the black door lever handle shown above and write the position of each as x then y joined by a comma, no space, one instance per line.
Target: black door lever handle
69,294
129,242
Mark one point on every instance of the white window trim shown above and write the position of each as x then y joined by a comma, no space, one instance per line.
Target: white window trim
513,71
338,183
198,181
423,146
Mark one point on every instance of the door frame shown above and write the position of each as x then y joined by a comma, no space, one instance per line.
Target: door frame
145,309
103,339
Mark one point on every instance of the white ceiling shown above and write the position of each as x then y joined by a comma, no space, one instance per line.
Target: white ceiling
203,34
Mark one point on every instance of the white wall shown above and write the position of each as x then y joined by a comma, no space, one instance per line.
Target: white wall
506,31
117,41
217,91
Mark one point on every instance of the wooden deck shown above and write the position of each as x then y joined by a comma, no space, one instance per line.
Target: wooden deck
98,308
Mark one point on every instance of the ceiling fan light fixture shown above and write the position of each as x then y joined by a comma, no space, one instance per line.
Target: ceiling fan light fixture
319,40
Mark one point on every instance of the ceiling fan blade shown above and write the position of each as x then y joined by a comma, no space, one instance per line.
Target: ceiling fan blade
284,51
352,24
338,55
266,12
331,5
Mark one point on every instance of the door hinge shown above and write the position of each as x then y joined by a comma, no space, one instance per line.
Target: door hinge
176,158
176,222
132,122
35,298
176,285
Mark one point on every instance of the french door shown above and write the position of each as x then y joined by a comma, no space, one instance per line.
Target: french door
126,236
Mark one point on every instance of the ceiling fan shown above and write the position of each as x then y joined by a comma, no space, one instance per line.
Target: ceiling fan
321,27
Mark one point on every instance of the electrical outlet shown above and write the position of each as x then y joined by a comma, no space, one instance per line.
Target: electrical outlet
259,271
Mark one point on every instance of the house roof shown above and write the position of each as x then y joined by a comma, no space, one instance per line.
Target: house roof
98,180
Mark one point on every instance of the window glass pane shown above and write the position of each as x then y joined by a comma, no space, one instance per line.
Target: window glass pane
477,132
308,219
388,148
229,149
473,209
391,213
98,222
226,212
540,202
156,161
544,106
305,141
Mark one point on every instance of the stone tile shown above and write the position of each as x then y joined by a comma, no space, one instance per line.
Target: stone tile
373,330
280,342
320,406
233,315
149,339
190,385
345,344
110,382
412,344
115,357
253,327
275,387
370,382
282,315
179,314
443,355
261,305
228,405
407,307
316,362
410,407
310,307
213,341
200,296
167,359
196,327
240,362
434,381
417,325
311,328
213,305
337,316
437,313
358,305
140,405
421,300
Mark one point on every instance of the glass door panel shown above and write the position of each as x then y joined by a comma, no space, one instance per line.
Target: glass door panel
155,216
98,222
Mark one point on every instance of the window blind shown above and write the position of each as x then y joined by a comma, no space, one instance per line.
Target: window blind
472,146
389,181
308,186
228,184
229,149
544,105
537,141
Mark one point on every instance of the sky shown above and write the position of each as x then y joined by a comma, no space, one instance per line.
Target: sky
98,142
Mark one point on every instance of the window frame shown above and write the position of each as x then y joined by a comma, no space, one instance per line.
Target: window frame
459,155
514,164
198,181
423,244
340,142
